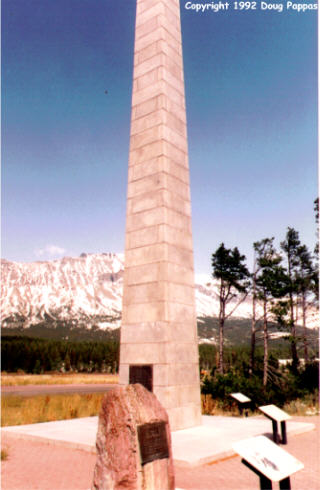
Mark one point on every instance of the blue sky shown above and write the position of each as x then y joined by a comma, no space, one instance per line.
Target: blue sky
251,95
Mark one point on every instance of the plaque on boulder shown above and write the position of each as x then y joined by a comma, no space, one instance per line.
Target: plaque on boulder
142,375
153,442
133,442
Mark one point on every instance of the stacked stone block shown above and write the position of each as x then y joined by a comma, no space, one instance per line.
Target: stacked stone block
158,313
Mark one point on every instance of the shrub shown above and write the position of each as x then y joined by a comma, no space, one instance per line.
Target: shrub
281,388
308,378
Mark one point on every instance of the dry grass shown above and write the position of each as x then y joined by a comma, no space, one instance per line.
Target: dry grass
17,410
57,378
302,407
211,407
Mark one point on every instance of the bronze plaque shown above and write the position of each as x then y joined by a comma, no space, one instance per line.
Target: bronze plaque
141,374
153,442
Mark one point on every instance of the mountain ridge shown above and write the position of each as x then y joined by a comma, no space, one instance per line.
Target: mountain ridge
86,292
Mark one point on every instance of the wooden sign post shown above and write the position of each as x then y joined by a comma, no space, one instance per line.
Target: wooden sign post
243,402
276,415
268,461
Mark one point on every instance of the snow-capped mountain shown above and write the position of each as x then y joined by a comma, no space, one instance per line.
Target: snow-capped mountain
87,290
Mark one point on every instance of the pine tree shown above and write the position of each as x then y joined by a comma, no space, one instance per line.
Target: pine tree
270,283
316,251
229,268
254,316
290,247
306,279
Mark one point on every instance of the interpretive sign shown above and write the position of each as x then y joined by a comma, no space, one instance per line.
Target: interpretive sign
240,397
274,413
141,374
243,402
153,442
268,458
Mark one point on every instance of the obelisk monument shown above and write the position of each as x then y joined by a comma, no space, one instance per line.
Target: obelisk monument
159,346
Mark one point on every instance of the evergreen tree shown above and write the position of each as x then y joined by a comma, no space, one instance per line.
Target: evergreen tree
254,319
229,268
270,283
316,252
290,247
316,209
306,278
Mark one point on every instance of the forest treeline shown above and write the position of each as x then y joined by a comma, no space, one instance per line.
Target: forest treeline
35,355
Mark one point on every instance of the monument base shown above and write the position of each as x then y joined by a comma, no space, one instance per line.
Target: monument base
184,417
176,386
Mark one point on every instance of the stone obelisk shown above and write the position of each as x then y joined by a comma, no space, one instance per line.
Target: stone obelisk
158,334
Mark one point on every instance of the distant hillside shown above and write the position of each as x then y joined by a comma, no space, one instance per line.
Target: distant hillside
238,332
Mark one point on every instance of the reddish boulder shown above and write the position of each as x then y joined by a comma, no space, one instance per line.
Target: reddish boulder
119,463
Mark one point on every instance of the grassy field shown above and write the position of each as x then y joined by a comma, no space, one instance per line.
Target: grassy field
57,378
17,410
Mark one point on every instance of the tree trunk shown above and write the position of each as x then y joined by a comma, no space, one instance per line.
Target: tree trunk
265,344
304,324
253,323
253,340
294,354
221,325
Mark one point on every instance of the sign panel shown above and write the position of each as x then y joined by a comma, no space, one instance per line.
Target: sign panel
268,458
141,374
153,442
275,413
240,397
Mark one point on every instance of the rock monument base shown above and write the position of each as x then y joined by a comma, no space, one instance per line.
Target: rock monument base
133,442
